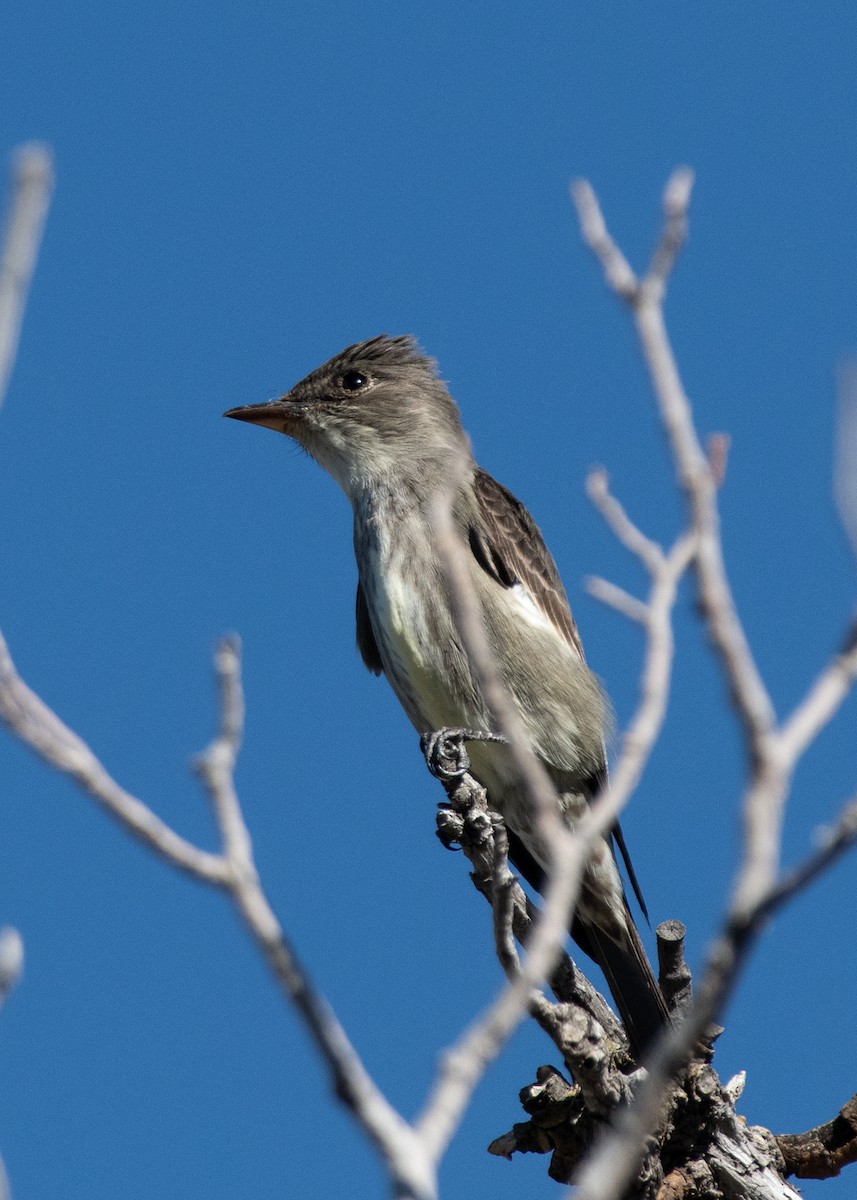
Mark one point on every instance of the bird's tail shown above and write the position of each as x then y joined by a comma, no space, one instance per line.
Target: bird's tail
632,984
626,968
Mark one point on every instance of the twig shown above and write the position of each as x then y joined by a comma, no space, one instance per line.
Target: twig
617,270
655,615
11,960
32,184
11,966
612,1164
773,750
216,765
845,472
674,232
630,535
617,598
821,702
834,843
645,301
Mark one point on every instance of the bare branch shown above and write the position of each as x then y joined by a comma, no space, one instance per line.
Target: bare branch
411,1166
11,960
674,233
617,270
845,472
821,702
647,722
694,470
673,971
32,184
834,843
632,538
613,1163
467,823
617,598
770,754
718,456
33,723
749,693
822,1152
216,765
665,572
407,1161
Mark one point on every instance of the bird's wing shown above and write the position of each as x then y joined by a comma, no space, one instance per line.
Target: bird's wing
366,643
507,544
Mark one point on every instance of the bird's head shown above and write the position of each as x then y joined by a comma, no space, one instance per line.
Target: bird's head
376,411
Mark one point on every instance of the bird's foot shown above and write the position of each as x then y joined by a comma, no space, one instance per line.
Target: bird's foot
467,802
445,754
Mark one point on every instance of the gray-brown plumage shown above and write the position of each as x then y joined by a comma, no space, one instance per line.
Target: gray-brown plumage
381,422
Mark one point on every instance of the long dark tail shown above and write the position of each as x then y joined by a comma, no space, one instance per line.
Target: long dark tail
631,981
626,968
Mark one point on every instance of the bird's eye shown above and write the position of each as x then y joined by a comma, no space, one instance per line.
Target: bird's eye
353,381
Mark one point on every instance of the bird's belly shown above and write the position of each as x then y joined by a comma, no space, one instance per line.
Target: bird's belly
420,652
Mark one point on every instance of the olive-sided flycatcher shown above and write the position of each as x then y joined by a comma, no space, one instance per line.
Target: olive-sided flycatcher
379,419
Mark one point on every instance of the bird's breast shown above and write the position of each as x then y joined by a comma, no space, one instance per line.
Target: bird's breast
411,616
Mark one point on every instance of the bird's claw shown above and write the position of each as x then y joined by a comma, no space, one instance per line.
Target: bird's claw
445,754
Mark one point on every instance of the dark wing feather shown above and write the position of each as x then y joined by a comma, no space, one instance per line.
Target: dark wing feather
507,545
366,643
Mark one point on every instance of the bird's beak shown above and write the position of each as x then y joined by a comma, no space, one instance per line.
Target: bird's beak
282,414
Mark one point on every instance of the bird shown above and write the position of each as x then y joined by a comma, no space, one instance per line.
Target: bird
381,421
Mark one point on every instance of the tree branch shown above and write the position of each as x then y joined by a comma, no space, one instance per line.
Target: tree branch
11,960
845,471
773,751
822,1152
32,185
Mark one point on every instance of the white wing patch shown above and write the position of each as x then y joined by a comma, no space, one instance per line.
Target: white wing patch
528,609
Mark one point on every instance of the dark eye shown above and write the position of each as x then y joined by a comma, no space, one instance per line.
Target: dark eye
353,381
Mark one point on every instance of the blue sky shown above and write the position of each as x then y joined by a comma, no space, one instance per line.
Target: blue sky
242,190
